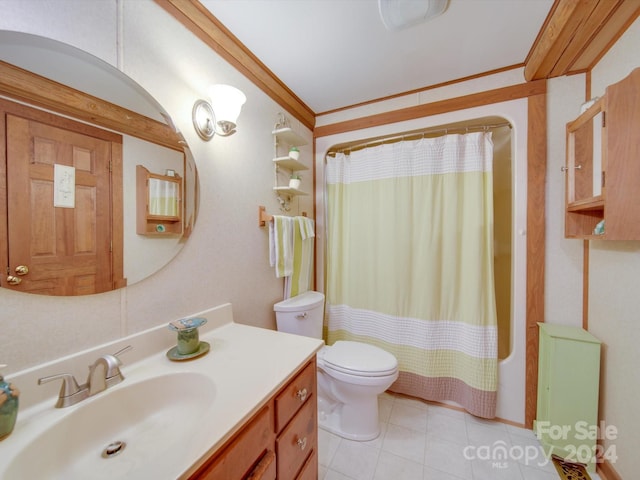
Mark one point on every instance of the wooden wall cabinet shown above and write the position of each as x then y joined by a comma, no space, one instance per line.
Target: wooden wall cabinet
568,388
603,165
280,441
158,203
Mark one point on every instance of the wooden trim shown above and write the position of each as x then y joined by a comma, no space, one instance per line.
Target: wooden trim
4,221
597,16
543,29
117,217
607,472
27,111
558,29
443,106
576,34
198,20
585,285
424,89
28,87
609,33
536,177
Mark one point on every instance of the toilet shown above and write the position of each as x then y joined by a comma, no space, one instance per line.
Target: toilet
351,375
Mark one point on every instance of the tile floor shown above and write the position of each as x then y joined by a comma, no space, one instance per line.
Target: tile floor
422,441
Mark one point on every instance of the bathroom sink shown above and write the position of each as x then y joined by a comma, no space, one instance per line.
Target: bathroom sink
122,432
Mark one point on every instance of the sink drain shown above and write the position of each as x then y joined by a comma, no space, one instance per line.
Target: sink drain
113,449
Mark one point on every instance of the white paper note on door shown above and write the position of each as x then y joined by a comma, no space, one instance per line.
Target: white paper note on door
64,190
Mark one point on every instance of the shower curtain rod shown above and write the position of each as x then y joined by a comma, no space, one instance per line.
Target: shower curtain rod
416,135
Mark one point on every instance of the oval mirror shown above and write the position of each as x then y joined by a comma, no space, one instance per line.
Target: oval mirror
97,189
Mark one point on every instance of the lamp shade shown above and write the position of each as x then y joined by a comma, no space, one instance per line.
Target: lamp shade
226,102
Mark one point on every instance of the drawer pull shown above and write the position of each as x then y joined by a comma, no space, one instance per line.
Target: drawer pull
262,467
302,394
302,443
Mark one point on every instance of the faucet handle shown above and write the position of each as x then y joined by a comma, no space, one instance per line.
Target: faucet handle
114,370
123,350
70,392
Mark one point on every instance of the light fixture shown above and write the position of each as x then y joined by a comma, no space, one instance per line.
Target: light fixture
219,116
399,14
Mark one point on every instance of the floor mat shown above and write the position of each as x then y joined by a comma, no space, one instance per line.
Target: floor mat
569,470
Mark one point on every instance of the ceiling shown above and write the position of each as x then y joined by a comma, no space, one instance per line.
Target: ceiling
337,53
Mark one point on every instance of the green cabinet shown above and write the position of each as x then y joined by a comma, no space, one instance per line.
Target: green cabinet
568,387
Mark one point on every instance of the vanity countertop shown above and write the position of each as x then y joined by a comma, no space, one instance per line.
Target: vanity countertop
246,364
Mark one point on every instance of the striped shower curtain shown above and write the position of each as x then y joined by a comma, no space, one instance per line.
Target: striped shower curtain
410,263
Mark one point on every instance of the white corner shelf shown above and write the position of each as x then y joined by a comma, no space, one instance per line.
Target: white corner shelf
290,164
288,136
288,191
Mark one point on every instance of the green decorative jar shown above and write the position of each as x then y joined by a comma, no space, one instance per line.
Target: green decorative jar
8,407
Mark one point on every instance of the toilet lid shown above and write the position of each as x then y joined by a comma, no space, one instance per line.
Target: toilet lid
359,358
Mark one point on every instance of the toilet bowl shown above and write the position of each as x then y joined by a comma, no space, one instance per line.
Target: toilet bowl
351,375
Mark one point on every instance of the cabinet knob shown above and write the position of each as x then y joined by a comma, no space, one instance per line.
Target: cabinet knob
302,394
302,443
11,280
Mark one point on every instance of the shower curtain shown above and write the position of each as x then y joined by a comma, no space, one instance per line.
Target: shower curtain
410,263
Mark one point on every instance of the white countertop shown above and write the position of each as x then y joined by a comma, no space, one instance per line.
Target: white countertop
246,364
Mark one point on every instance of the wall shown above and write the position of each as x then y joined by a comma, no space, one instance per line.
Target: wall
614,298
226,257
144,255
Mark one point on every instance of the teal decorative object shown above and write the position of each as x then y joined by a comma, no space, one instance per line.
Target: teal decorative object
599,230
188,337
8,407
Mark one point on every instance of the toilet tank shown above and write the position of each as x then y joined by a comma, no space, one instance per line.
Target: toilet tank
301,315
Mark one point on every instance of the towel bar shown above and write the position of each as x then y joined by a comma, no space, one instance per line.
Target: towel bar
264,217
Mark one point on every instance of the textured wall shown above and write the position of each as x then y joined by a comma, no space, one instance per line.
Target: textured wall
226,258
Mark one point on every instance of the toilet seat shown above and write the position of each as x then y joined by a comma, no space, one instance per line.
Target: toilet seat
358,359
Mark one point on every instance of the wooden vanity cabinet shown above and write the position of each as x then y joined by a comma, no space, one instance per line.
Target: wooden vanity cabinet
296,423
603,165
280,441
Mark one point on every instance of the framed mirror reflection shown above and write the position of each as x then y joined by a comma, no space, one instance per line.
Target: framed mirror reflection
65,110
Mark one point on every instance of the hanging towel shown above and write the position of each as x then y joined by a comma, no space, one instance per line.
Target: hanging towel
281,245
306,226
300,280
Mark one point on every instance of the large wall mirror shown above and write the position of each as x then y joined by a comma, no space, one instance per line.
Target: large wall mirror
74,131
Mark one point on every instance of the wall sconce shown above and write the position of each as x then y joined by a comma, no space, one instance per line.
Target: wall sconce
221,114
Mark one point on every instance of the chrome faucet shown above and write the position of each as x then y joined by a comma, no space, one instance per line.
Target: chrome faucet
104,373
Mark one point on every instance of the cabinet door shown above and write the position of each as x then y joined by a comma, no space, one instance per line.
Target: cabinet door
622,200
585,172
568,389
584,161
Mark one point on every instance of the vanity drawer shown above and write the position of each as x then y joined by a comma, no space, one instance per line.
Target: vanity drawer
310,469
297,441
294,396
250,451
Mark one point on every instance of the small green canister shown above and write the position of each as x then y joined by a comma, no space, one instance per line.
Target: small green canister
8,407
